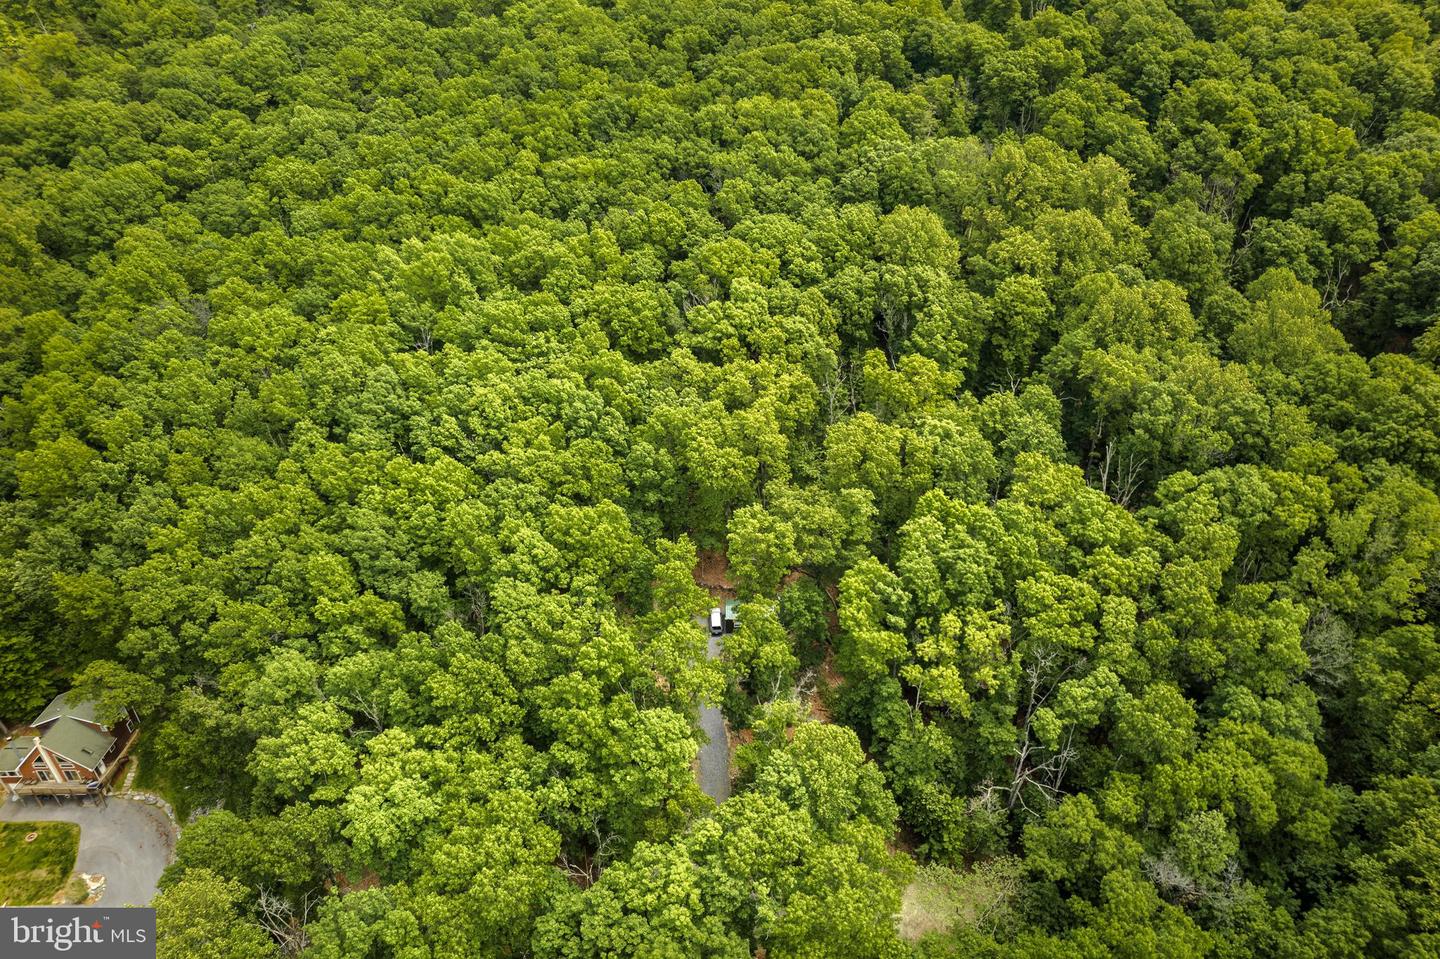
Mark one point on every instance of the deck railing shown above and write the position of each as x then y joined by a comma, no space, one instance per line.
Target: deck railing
91,788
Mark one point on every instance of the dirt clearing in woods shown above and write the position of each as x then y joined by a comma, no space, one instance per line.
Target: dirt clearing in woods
941,898
827,681
712,572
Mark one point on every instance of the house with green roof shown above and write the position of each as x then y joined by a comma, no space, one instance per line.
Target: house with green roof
71,748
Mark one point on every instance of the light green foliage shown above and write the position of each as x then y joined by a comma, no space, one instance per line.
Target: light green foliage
762,550
798,866
199,918
758,653
1057,380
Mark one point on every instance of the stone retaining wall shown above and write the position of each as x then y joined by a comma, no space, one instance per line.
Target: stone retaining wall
154,800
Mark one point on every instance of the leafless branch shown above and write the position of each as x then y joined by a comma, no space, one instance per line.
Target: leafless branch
284,922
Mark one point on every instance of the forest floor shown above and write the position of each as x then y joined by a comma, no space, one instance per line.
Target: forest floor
712,572
927,906
827,681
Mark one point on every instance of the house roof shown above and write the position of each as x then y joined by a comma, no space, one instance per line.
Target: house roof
81,744
13,753
71,704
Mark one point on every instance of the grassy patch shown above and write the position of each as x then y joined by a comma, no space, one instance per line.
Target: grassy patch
941,899
32,873
151,780
76,891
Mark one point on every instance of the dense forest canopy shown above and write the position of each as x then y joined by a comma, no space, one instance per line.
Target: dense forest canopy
1058,379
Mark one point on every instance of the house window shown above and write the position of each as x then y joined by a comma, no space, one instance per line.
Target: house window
42,774
73,775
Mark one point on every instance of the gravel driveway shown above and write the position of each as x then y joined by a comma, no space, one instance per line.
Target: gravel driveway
127,842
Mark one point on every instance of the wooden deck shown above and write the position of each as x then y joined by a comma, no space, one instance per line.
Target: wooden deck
56,789
95,787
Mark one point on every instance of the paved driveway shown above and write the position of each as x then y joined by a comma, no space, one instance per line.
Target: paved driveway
127,842
713,769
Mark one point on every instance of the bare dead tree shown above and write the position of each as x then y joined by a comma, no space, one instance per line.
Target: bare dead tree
1173,882
1038,769
806,684
1329,642
367,705
585,870
1105,468
581,873
1177,885
1128,477
987,798
893,321
1128,470
199,307
838,388
1247,570
1230,890
800,691
479,606
284,921
694,298
1044,776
